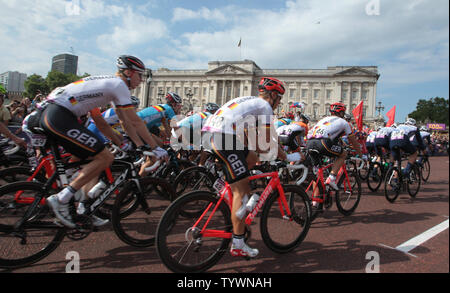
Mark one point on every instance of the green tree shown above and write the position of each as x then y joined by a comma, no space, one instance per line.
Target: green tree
56,79
2,89
434,110
35,83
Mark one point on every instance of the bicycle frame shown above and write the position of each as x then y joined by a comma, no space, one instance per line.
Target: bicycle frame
49,171
320,179
227,196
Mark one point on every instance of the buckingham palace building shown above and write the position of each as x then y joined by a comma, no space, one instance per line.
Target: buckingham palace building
226,80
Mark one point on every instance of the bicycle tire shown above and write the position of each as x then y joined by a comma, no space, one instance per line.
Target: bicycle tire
392,188
364,172
426,170
193,175
174,234
414,176
274,227
374,180
137,225
347,203
26,252
19,173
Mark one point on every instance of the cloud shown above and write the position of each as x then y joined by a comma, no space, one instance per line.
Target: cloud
182,14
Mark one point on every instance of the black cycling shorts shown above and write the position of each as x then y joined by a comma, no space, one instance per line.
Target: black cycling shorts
290,140
233,157
62,126
401,144
325,146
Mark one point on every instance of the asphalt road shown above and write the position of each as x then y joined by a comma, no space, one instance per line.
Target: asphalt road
378,237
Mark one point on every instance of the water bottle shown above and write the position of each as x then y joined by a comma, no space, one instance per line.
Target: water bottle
243,209
95,191
252,202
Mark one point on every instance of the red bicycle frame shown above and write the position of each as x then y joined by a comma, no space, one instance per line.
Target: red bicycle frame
49,170
227,196
342,171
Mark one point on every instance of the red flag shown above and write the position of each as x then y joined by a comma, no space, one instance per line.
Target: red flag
358,114
391,116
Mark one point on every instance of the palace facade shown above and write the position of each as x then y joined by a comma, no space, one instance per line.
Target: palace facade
226,80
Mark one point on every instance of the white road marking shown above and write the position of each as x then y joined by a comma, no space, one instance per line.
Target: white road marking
409,245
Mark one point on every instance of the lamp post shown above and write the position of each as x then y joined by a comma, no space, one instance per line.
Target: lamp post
160,96
379,108
189,95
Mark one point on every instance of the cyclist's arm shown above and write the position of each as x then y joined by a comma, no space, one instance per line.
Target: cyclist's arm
355,144
5,131
135,127
167,128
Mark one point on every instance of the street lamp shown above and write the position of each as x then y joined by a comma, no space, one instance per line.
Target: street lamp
160,95
379,108
189,95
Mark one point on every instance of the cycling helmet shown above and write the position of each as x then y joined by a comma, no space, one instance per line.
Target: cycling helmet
394,125
173,98
337,108
410,121
130,62
135,101
423,128
378,128
348,117
271,84
212,107
305,117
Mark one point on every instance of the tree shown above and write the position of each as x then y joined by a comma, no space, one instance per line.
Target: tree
35,83
58,79
434,110
2,89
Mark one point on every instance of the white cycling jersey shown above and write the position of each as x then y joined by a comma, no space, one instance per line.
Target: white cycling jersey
237,112
384,132
371,137
91,92
286,130
330,127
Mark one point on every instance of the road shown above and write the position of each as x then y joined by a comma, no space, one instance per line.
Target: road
378,237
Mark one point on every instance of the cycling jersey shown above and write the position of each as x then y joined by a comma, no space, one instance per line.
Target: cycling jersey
384,132
282,122
371,137
112,119
195,120
331,127
153,115
88,93
237,113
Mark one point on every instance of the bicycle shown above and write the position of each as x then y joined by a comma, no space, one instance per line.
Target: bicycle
395,182
349,194
28,232
377,173
195,231
425,167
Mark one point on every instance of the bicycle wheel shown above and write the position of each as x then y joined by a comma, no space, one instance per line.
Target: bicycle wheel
363,173
392,184
183,249
193,178
375,177
426,170
414,181
18,173
284,233
136,225
38,237
349,193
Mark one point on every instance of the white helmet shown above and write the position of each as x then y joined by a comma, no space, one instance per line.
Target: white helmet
410,121
423,128
394,125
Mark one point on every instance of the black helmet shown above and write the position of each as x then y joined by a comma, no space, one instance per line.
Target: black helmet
135,101
130,62
212,107
173,98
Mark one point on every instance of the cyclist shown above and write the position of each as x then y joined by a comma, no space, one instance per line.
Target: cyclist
59,115
325,138
426,138
236,157
107,125
401,139
292,137
160,115
382,140
282,121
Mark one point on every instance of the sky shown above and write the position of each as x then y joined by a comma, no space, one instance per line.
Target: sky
407,39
